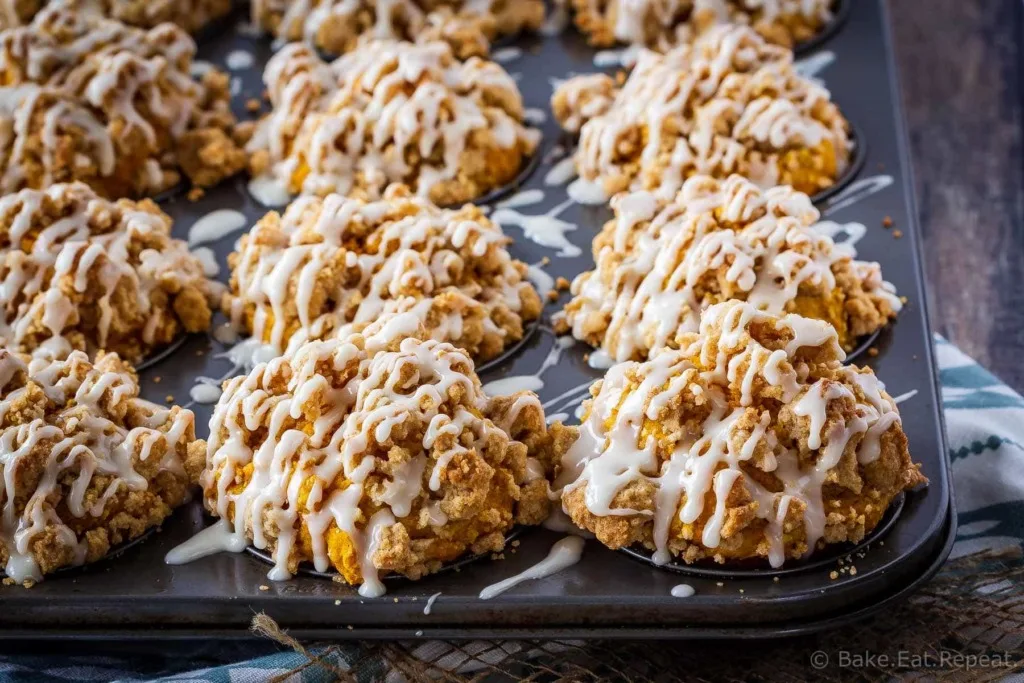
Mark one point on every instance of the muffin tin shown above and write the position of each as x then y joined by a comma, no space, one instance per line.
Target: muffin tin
607,594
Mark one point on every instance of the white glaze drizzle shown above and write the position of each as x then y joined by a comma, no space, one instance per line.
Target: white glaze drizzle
535,382
547,230
563,554
215,225
430,603
857,191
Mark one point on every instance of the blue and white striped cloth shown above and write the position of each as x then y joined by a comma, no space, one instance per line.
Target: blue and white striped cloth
985,419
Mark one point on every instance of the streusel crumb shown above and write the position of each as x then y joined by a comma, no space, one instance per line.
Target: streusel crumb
730,103
752,440
391,458
88,465
390,113
660,264
82,272
328,263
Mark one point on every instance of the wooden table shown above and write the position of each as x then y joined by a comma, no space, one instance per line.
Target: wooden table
961,72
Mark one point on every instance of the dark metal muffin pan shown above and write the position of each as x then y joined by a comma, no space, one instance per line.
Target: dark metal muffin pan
608,594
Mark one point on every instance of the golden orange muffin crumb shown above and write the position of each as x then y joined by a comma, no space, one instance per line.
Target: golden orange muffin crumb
81,272
338,26
659,264
664,24
328,263
91,99
730,103
87,464
752,440
388,457
388,113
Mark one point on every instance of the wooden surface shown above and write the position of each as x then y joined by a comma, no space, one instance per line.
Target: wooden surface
960,68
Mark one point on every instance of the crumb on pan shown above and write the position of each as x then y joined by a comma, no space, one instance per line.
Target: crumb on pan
752,440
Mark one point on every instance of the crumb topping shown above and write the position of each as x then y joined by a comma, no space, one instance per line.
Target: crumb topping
664,24
328,264
752,440
338,26
375,454
81,272
660,264
730,103
390,113
86,464
92,99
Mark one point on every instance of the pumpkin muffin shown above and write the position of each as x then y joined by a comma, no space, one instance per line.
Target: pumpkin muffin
752,441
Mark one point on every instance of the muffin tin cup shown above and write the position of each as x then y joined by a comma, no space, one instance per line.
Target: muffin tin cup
162,354
857,161
305,569
112,554
824,558
840,13
608,593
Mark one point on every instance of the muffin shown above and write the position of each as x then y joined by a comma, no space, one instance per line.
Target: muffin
664,24
331,265
388,113
752,441
338,26
191,15
660,264
388,457
730,103
94,100
82,272
87,464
